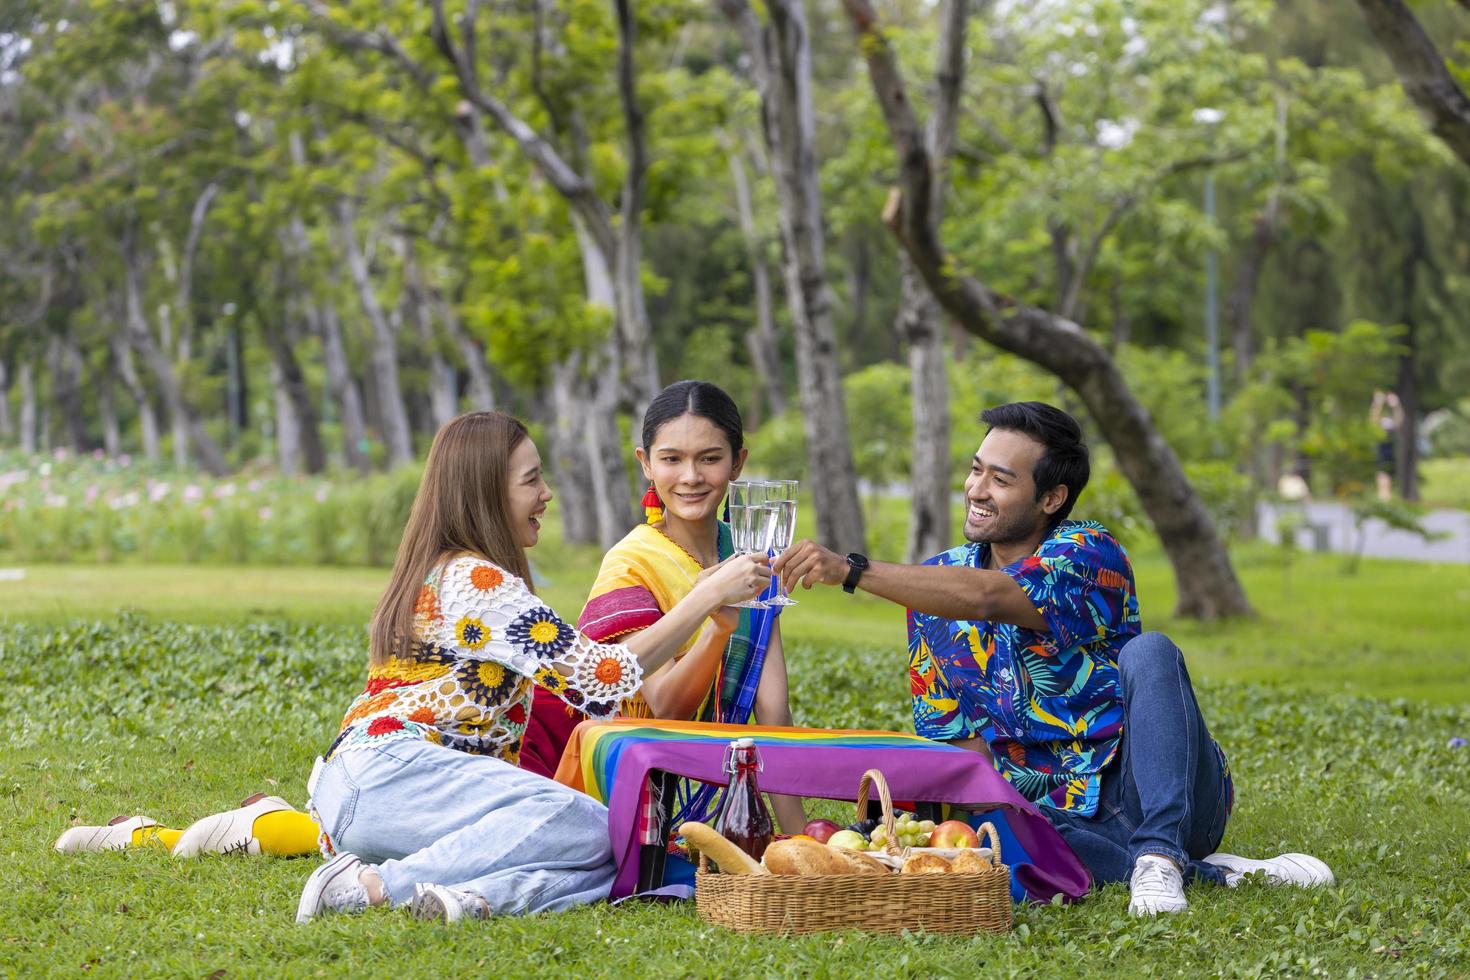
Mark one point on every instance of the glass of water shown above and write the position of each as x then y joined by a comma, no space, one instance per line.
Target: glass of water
781,505
749,524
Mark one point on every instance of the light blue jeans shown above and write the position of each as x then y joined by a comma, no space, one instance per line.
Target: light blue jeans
423,813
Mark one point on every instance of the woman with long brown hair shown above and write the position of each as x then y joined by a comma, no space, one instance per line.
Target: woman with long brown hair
419,798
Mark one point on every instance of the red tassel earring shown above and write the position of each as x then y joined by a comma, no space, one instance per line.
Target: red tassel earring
653,507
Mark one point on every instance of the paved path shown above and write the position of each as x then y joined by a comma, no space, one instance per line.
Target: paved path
1335,531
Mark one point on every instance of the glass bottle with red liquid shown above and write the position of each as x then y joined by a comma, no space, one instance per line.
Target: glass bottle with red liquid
744,819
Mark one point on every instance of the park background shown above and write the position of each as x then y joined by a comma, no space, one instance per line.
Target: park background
253,254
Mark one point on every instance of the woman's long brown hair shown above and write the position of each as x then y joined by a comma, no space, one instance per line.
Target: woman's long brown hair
462,506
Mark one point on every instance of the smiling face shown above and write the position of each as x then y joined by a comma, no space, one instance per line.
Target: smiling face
1001,491
527,494
690,464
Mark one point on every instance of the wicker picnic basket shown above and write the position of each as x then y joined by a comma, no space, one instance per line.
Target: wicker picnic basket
951,902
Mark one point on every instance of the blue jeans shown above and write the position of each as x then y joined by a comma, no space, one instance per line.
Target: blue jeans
1167,790
424,813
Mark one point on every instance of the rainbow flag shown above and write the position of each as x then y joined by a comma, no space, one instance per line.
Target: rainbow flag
611,761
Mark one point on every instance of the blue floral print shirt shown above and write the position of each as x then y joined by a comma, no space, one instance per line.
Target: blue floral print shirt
1047,702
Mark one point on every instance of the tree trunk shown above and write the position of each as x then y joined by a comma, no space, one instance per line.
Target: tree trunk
1208,587
107,409
761,340
921,326
141,338
780,56
568,456
640,358
389,396
288,429
122,353
920,323
290,384
343,386
597,388
1407,456
7,427
1409,398
176,419
65,364
27,384
1243,293
443,385
479,391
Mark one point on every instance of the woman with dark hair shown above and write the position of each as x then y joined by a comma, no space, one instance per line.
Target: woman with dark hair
419,798
692,447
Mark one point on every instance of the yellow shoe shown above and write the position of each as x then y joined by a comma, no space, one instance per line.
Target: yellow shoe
120,832
242,831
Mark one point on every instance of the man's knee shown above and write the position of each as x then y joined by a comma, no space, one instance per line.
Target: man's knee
1148,654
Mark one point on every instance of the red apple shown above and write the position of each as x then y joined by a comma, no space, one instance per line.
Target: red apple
820,830
954,833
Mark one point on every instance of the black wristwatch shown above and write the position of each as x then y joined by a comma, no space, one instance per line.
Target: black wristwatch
856,565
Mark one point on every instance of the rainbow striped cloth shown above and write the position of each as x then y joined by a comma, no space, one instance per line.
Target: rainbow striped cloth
611,761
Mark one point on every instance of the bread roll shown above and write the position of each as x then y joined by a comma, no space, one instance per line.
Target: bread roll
731,859
971,860
804,857
925,864
860,863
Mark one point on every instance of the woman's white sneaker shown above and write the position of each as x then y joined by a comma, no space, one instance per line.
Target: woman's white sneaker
114,836
231,832
333,887
1301,870
1156,886
440,903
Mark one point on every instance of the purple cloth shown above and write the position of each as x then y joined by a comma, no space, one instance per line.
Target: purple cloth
931,773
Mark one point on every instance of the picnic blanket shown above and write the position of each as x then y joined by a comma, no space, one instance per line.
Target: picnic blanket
611,761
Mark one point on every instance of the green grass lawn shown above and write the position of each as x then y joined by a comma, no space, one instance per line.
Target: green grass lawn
1319,629
1446,482
1336,707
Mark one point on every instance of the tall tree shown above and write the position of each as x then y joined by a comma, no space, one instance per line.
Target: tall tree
1208,586
1423,72
920,321
780,64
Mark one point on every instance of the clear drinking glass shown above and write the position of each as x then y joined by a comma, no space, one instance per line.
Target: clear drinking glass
781,501
748,518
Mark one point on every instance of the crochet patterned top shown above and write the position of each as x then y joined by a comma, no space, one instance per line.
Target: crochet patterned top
481,641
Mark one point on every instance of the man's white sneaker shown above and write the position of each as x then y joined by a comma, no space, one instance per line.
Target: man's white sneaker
231,832
440,903
333,887
116,835
1157,886
1302,870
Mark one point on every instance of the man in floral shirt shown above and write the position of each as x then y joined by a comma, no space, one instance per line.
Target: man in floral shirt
1025,644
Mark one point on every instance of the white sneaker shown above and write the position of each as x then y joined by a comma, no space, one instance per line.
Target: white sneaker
231,832
116,835
1301,870
440,903
1157,886
333,887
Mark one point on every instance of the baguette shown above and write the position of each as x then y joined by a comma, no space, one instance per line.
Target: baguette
805,857
861,864
731,859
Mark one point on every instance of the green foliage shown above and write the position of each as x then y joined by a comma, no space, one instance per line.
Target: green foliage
1337,373
96,510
